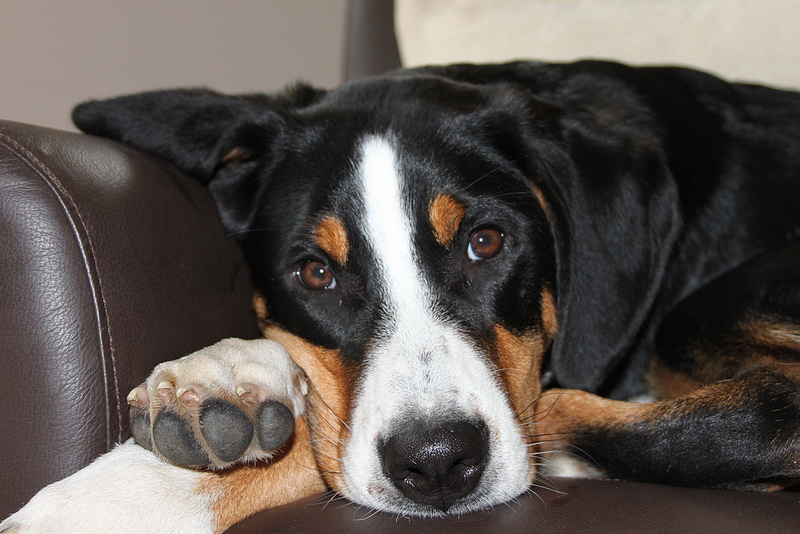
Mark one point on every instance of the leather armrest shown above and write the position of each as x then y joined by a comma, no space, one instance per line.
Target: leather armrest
112,261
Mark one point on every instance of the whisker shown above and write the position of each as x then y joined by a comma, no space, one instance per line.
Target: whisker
499,167
330,410
335,497
250,230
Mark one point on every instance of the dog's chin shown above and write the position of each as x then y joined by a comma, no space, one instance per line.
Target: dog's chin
502,482
392,502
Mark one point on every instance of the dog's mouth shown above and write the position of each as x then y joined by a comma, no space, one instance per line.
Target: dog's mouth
435,467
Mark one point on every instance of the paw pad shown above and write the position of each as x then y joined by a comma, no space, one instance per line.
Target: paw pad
228,431
232,402
275,425
176,441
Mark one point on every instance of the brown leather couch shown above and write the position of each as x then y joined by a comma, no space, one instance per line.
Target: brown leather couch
112,261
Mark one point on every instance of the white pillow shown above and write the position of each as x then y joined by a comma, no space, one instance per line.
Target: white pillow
747,40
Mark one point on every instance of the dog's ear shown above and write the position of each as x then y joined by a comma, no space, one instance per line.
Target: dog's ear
222,141
615,219
192,128
596,156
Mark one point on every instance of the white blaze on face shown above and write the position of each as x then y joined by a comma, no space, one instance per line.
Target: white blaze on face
421,364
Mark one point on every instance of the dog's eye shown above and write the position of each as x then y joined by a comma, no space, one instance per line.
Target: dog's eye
315,275
485,244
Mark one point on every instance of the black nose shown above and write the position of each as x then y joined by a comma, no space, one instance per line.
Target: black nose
436,464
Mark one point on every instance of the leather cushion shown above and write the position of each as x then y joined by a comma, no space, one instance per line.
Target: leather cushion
571,505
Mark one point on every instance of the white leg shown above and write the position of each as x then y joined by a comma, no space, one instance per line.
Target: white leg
126,490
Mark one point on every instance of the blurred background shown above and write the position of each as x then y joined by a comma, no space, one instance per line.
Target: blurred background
56,54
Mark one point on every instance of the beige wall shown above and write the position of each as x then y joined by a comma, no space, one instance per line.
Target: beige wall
55,54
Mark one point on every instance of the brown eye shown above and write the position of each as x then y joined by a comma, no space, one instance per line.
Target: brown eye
485,244
315,276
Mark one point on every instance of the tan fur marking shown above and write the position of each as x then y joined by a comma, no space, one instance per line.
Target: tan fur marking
751,343
549,314
563,410
241,491
260,307
236,156
329,397
560,411
445,215
331,390
519,358
772,332
542,201
331,236
520,361
664,383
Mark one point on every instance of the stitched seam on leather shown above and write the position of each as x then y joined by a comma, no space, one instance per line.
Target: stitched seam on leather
89,259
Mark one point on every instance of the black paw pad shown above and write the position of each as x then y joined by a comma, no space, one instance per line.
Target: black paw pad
176,442
226,428
275,425
140,428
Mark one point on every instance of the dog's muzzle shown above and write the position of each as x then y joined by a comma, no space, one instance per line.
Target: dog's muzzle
435,463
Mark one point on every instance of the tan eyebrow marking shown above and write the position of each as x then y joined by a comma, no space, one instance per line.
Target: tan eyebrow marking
445,214
331,236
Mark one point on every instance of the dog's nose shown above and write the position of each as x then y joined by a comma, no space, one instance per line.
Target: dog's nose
436,464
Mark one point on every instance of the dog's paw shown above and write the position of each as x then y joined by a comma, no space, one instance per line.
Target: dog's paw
232,402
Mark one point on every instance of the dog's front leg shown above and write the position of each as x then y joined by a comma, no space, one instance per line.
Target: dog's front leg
194,411
742,433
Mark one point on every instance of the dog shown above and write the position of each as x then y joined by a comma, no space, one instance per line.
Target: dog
464,276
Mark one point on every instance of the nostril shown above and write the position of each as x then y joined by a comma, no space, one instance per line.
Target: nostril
436,464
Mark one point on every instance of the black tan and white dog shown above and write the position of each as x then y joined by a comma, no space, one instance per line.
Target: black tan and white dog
473,269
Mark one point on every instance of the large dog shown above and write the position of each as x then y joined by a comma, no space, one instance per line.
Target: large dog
473,270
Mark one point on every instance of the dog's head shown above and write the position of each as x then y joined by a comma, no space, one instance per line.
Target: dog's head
422,246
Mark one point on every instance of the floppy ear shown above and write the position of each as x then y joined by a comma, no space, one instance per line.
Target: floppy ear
223,141
615,218
613,207
189,127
